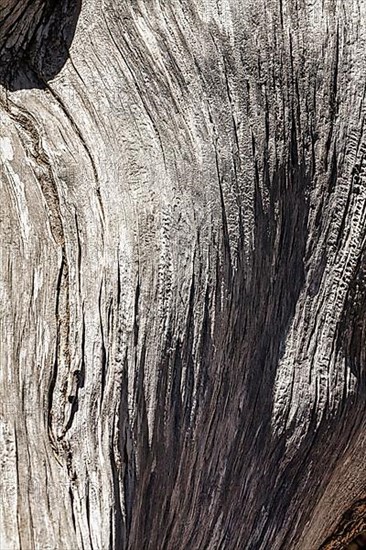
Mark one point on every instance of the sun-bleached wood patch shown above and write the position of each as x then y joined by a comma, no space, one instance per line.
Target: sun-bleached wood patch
183,240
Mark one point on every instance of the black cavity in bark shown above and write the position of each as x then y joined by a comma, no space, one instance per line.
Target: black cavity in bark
35,39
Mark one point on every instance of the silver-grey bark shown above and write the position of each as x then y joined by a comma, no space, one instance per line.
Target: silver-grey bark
183,232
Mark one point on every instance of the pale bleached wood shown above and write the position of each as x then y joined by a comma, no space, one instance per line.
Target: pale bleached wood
183,233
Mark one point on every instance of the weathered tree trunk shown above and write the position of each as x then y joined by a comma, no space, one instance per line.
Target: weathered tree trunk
183,263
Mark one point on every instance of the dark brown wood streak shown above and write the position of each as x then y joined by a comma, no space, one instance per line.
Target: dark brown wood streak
351,531
183,274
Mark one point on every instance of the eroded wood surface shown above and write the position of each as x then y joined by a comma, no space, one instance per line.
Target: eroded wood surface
183,273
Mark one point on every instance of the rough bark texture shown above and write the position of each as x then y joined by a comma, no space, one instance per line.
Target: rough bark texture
183,265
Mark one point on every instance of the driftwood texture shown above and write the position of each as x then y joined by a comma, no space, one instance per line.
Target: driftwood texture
183,232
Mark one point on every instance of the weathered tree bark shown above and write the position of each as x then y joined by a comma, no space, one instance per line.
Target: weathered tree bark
183,263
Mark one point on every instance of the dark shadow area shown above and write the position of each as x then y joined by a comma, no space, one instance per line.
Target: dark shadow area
350,533
35,39
359,543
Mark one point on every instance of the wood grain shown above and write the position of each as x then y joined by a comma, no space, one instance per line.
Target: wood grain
183,234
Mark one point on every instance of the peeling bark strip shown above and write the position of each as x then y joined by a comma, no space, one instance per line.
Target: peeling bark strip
183,263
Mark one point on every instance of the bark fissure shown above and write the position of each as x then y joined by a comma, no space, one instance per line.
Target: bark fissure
183,273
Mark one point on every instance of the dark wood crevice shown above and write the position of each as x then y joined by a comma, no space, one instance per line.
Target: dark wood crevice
197,287
350,534
35,37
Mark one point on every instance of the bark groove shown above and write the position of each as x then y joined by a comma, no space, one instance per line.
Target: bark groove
183,228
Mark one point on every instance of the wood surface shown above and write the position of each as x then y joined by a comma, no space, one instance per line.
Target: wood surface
183,268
